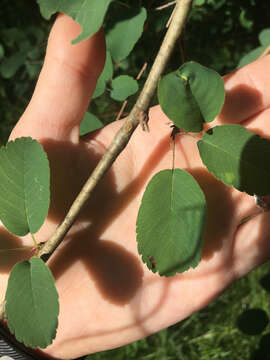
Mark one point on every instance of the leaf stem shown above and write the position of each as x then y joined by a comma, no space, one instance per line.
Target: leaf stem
34,240
122,137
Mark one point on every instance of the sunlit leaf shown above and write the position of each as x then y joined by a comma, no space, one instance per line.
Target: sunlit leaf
238,158
32,303
171,222
123,36
24,186
191,96
89,14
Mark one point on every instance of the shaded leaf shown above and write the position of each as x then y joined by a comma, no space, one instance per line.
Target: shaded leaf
89,14
123,36
24,186
237,157
171,222
254,54
89,123
10,65
105,76
251,56
123,86
191,96
32,303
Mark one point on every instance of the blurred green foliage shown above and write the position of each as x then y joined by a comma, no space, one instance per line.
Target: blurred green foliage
218,34
23,35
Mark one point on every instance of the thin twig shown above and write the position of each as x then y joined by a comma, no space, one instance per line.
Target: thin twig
123,135
119,115
141,71
121,110
165,6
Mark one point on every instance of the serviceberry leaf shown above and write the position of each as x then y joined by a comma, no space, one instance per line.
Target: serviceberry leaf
191,96
90,123
24,186
125,33
171,222
105,76
89,14
123,86
237,157
32,306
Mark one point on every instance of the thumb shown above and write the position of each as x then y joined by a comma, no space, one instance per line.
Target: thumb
65,85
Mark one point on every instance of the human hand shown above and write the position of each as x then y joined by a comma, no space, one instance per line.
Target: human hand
108,298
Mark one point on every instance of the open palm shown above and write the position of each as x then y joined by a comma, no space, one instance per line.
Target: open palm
108,298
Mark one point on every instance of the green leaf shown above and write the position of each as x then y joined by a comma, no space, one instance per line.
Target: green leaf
89,14
251,56
171,222
89,123
24,186
123,36
105,76
245,20
191,96
123,86
238,158
32,303
10,65
264,37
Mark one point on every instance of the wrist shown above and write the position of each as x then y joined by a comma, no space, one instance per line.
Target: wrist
10,347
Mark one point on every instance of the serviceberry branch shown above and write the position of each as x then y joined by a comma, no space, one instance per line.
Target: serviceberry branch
122,137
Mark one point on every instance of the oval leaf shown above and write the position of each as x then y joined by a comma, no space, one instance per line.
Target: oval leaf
264,37
90,123
32,303
251,56
171,222
123,86
89,14
238,158
24,186
123,36
191,96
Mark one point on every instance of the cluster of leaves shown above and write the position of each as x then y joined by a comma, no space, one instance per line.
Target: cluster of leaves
217,46
122,30
169,241
31,298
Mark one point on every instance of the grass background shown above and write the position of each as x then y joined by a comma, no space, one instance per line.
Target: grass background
219,33
212,333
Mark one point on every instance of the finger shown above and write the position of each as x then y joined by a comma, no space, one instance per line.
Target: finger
246,92
251,244
65,85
